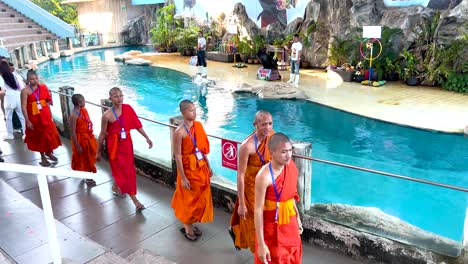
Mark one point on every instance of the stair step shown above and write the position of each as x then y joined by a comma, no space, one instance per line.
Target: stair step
9,26
21,31
14,20
12,40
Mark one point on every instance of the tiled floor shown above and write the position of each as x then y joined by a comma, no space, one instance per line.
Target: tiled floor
93,214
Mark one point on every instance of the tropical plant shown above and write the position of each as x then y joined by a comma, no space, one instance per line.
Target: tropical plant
456,82
163,33
187,37
307,36
340,51
65,12
409,69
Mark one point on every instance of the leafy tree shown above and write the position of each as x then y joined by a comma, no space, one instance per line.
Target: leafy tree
164,33
66,13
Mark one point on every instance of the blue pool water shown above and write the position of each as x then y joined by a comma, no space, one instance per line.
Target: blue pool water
335,135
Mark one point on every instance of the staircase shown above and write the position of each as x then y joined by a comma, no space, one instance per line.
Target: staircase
23,23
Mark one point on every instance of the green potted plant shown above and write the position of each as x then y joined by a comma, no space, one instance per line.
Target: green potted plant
187,39
391,70
163,33
409,73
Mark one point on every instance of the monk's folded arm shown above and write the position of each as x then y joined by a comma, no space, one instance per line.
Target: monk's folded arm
243,160
261,184
178,153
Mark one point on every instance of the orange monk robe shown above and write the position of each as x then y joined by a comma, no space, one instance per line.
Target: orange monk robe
86,160
194,205
121,157
44,136
282,238
244,230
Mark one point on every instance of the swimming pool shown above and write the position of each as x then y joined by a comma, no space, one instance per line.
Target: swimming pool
335,135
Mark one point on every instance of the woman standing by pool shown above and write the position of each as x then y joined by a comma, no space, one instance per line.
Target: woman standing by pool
13,86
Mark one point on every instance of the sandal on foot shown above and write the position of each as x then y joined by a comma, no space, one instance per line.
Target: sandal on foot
90,182
44,163
233,236
140,208
51,156
118,194
197,231
189,237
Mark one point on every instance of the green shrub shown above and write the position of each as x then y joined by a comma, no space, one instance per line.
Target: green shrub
456,82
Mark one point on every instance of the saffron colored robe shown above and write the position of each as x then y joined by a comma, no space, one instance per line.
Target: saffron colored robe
87,159
121,156
44,136
245,229
194,205
282,238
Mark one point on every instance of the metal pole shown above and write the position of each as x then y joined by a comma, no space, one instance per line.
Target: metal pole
49,218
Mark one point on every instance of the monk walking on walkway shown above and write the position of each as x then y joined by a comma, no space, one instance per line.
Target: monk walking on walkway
84,144
277,220
192,201
116,124
253,154
41,134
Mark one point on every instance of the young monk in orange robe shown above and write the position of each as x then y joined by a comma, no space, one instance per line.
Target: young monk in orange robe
277,220
253,154
116,124
192,201
84,144
41,134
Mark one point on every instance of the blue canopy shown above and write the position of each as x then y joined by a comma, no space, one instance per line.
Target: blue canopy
147,2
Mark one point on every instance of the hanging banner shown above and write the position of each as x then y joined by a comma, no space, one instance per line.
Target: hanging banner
229,154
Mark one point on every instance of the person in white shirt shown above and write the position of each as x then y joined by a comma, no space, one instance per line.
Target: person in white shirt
13,86
296,52
201,53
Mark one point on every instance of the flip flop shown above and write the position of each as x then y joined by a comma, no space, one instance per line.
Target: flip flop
120,195
90,182
140,208
51,156
233,236
44,163
197,231
191,238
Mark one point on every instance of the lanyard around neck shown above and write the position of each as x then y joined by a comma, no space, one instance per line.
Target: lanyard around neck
85,118
117,118
277,195
38,94
194,140
256,149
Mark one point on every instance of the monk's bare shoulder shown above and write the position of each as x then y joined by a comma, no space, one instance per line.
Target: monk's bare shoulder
107,116
263,176
248,145
180,132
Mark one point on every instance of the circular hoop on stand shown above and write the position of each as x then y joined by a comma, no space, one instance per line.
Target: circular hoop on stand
371,41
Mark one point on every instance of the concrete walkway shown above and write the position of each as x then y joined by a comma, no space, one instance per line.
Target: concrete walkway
422,107
96,227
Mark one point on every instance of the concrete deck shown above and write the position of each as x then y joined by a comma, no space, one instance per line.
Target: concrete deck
96,227
423,107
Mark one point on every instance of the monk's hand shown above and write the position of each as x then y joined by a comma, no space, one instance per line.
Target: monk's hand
79,148
299,224
264,253
29,125
242,211
185,183
150,143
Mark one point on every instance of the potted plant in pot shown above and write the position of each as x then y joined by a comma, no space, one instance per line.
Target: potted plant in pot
409,73
187,39
391,69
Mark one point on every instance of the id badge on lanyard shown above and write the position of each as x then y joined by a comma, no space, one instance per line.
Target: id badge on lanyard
38,96
123,134
277,195
198,153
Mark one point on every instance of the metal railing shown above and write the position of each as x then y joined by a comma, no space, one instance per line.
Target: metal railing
382,173
42,174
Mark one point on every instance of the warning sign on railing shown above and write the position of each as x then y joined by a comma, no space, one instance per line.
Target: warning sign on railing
229,154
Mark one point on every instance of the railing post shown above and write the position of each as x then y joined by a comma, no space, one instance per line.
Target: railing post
304,180
67,106
44,48
56,46
83,41
100,39
49,218
175,121
33,51
69,44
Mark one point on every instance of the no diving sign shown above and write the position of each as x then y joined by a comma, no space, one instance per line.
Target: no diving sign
229,154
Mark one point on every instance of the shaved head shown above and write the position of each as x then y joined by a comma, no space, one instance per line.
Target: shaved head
114,89
276,140
184,104
260,115
76,99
